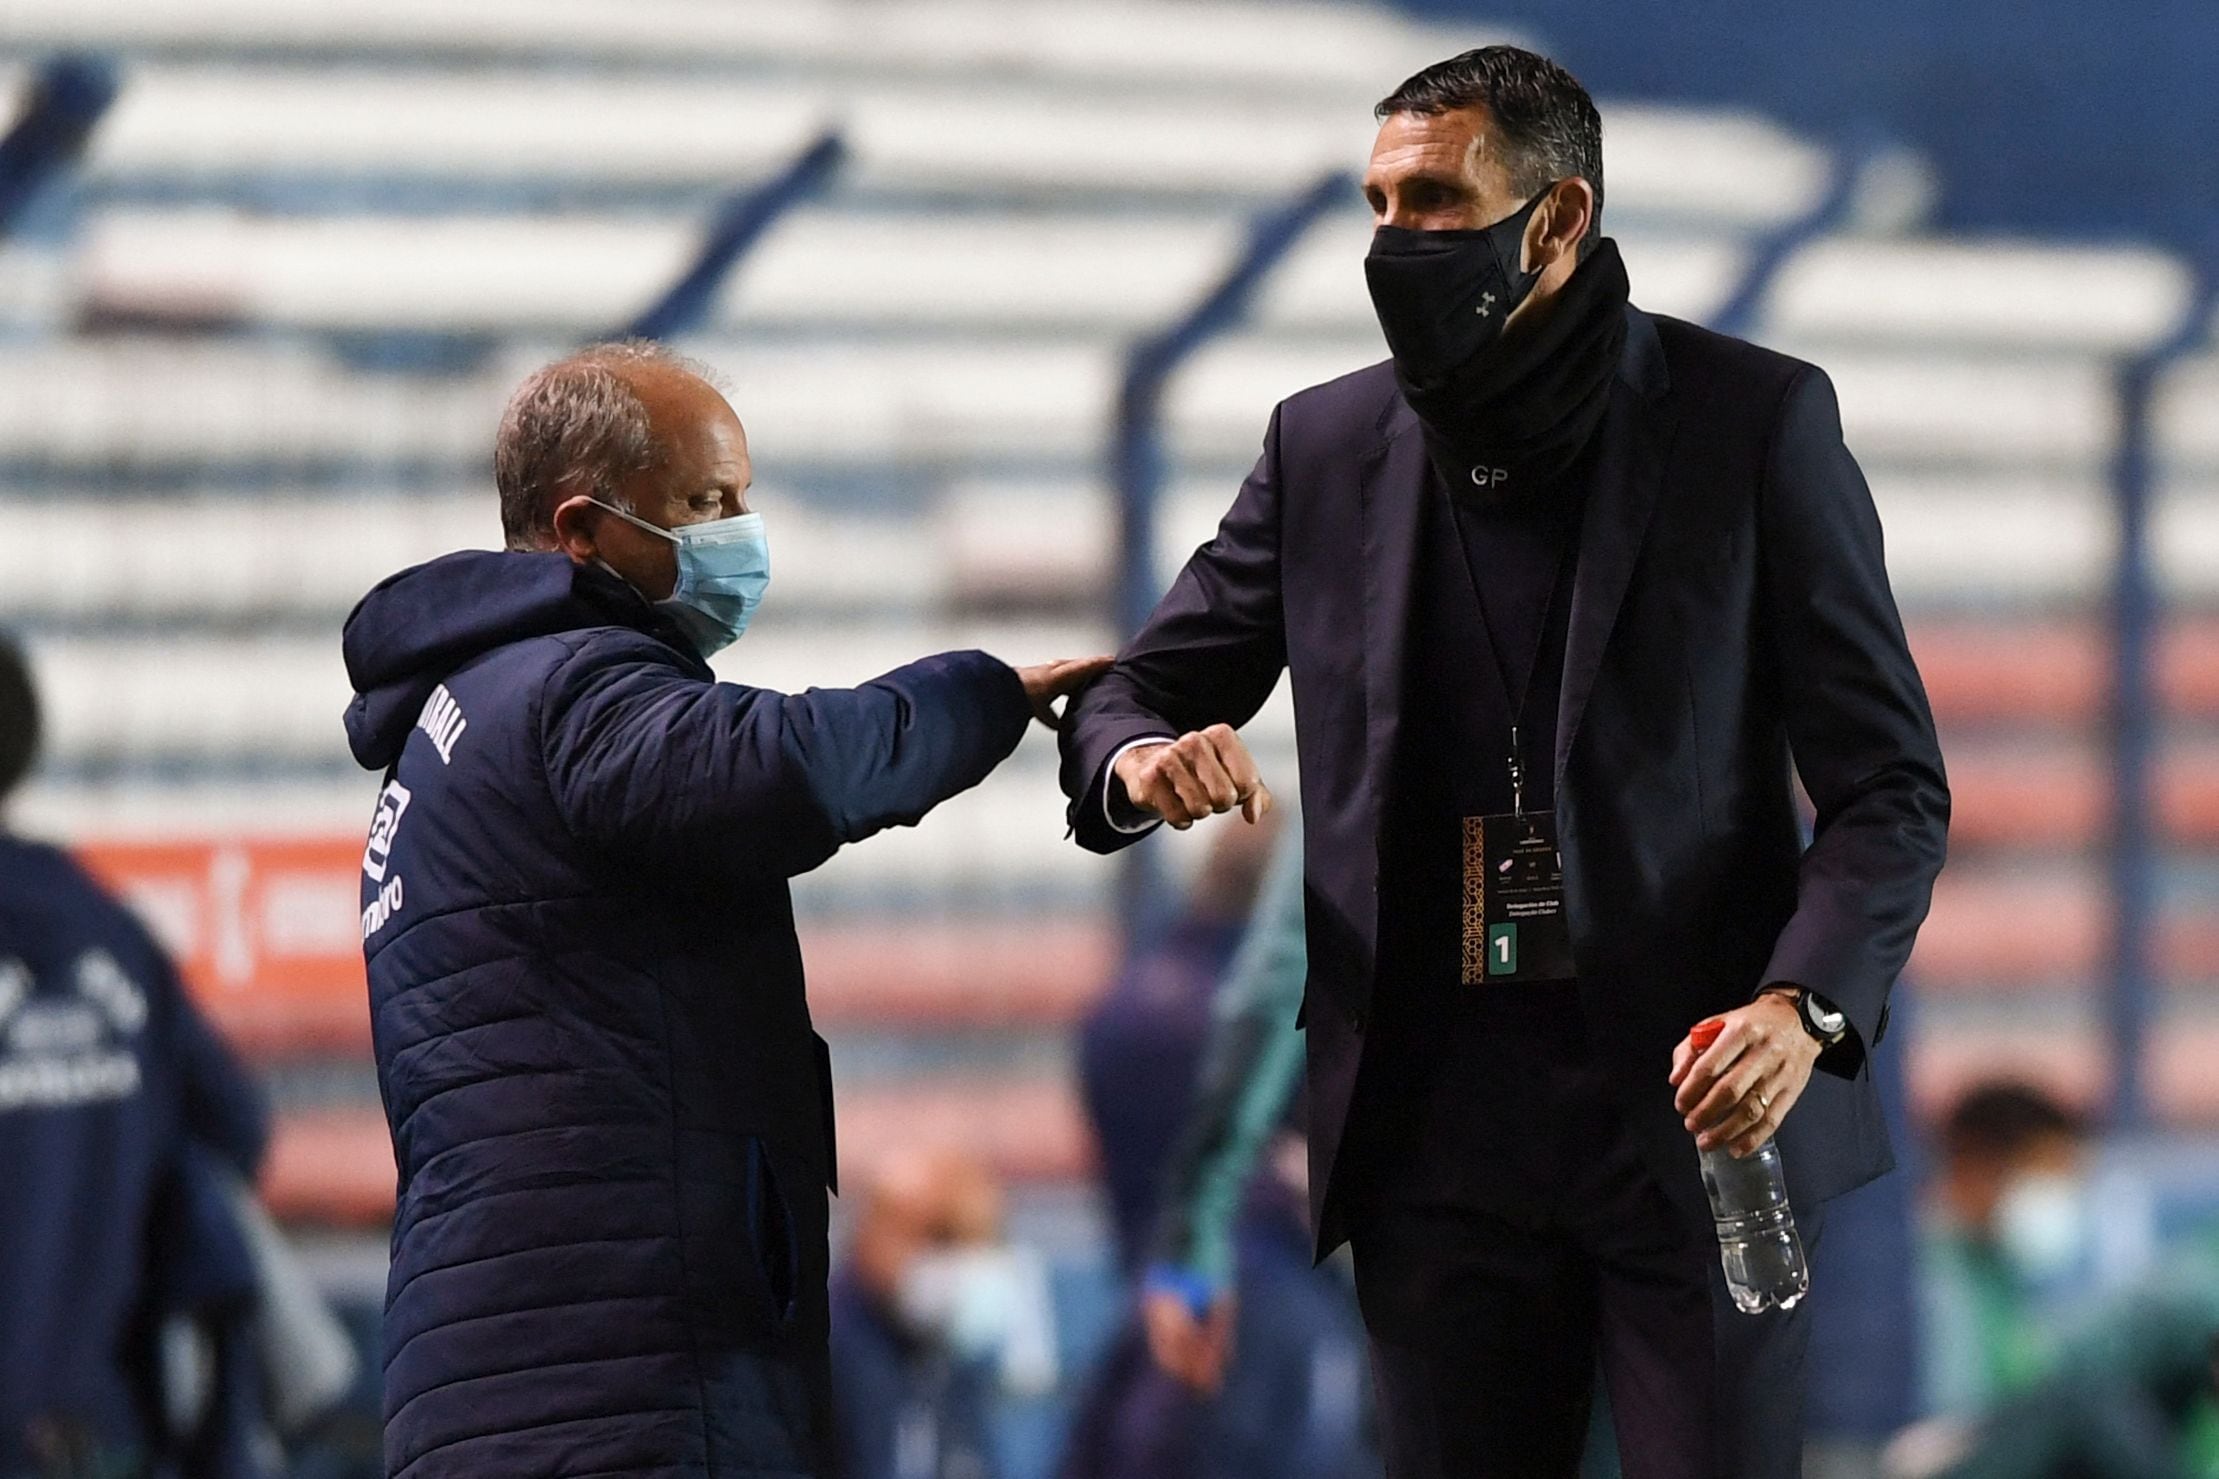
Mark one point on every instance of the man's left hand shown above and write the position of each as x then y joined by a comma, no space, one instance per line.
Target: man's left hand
1046,682
1738,1091
1191,1349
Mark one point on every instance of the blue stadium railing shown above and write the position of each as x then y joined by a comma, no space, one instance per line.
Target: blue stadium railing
735,229
1744,306
1137,456
68,100
2135,710
738,225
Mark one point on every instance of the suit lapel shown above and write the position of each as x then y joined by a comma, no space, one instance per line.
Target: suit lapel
1392,489
1636,436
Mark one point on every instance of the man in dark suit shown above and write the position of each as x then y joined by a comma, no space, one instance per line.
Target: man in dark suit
1564,588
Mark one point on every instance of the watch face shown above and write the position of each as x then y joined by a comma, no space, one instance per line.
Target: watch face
1824,1019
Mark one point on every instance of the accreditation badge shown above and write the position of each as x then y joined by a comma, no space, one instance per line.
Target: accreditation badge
1515,930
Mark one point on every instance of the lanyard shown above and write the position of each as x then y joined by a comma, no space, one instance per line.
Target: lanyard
1519,701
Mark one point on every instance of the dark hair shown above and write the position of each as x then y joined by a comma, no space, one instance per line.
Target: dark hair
1545,121
2002,1118
19,716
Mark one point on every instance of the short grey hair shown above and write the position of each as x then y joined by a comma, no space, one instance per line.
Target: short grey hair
576,426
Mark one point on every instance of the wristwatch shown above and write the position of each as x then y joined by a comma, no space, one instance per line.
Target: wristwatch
1821,1018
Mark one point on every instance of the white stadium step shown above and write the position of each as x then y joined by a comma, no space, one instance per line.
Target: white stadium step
1087,275
1007,543
929,402
1346,50
1005,838
1954,539
212,557
631,131
2187,413
222,699
2002,294
1956,405
211,125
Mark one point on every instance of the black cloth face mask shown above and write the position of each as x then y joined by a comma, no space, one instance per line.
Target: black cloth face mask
1501,415
1442,296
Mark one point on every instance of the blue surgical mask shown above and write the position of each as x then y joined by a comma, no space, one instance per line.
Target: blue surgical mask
2042,1226
723,568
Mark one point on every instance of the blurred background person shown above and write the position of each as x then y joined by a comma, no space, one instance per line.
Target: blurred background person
123,1119
1140,1045
2007,1244
929,1308
2136,1396
1189,1075
2119,1381
1214,1237
2045,1366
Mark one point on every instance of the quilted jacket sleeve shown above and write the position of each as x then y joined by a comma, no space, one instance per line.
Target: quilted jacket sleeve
661,768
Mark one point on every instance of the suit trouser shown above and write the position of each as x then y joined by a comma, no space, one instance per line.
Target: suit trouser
1485,1328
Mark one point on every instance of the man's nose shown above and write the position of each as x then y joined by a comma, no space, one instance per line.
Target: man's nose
1394,213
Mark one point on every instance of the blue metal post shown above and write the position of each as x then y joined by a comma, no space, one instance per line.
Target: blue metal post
71,95
2133,714
1738,315
739,223
1137,455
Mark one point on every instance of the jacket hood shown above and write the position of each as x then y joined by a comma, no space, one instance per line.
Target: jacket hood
415,628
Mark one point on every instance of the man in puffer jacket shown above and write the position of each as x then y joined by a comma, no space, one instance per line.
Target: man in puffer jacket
611,1116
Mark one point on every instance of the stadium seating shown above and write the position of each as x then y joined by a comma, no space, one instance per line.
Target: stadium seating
259,347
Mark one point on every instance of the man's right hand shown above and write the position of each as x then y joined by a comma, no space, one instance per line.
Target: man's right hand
1196,775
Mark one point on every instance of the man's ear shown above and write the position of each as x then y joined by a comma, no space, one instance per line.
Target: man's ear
575,519
1556,230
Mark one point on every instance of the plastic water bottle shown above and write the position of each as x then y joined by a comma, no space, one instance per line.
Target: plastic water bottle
1757,1242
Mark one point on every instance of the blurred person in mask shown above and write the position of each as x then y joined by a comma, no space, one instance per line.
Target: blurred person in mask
123,1121
1207,1064
2135,1395
1140,1045
612,1120
2007,1244
1563,589
2048,1376
932,1315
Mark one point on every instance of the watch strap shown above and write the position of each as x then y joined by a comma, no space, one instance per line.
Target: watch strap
1808,1006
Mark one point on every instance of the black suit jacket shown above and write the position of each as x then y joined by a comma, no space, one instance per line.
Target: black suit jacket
1731,610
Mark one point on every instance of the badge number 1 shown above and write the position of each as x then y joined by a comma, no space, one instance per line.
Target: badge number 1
1502,950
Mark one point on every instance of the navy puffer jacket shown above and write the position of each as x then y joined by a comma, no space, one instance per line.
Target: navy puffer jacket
611,1116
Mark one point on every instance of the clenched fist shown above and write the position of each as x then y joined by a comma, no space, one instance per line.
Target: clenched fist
1194,776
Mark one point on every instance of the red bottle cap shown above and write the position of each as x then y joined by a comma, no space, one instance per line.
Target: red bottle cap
1705,1032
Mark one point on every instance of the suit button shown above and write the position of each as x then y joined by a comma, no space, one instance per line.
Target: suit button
1356,1020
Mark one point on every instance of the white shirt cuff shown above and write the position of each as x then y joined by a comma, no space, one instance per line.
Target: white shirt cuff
1135,820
